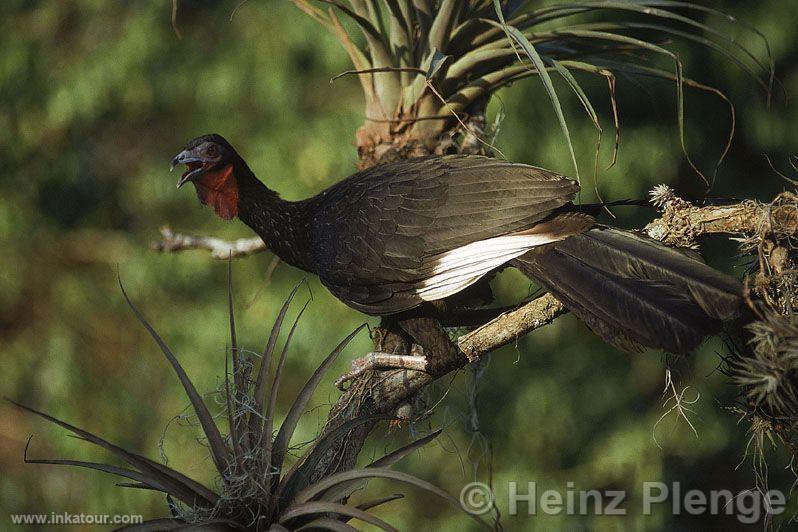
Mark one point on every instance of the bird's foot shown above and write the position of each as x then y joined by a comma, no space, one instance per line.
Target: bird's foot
378,360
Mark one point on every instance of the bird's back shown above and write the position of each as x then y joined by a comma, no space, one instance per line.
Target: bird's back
424,228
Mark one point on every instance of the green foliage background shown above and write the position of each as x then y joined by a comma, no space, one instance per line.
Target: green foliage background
97,97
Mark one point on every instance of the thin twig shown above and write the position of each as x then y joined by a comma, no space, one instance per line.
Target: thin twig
220,249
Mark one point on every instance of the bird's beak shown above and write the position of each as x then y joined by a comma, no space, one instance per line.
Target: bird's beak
194,166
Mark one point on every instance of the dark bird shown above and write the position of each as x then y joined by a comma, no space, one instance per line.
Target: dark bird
396,236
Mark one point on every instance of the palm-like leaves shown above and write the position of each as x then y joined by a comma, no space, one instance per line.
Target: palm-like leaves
256,492
488,44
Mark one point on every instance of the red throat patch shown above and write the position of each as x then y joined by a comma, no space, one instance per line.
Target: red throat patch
219,189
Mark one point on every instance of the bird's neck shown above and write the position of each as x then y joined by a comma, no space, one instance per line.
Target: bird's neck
281,224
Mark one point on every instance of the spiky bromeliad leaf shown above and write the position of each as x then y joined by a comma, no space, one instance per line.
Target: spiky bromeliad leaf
143,481
768,366
678,71
257,428
312,492
240,378
268,351
368,505
327,523
315,508
153,474
519,38
219,451
268,424
345,489
288,427
653,9
298,477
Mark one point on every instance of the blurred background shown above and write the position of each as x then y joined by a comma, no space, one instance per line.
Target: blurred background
98,96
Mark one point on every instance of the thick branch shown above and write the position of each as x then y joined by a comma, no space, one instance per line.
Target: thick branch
510,326
220,249
681,226
682,223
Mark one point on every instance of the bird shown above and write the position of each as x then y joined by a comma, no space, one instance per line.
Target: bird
400,237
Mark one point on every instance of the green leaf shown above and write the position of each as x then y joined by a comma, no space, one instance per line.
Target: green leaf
299,475
327,523
678,72
443,24
379,502
514,34
239,379
436,62
146,481
268,425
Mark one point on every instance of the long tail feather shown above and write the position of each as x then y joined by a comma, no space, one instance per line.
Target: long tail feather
633,291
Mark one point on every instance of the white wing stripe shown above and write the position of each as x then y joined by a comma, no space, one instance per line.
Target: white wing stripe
456,269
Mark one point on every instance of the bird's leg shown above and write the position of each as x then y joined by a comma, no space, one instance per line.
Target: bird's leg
440,352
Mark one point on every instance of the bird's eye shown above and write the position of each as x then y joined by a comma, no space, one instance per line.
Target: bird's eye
212,150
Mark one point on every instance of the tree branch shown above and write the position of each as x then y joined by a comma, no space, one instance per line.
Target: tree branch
510,326
220,249
681,222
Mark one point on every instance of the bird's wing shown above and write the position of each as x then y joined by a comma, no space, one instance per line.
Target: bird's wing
431,225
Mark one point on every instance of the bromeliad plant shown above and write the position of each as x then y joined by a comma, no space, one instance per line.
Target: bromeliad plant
429,67
257,490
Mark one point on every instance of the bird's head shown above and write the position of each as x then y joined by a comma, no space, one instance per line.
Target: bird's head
213,166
